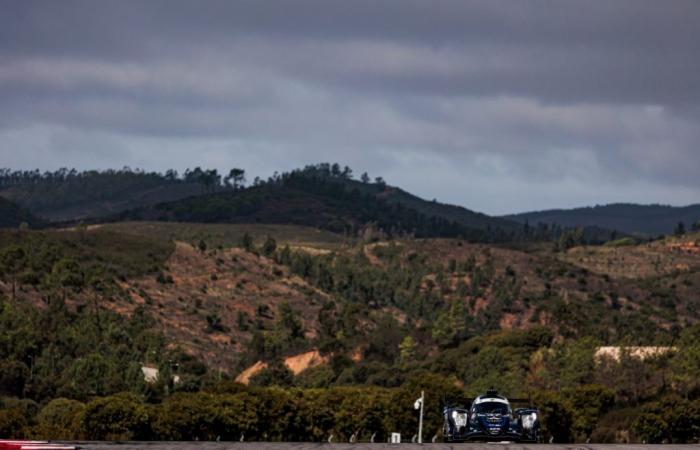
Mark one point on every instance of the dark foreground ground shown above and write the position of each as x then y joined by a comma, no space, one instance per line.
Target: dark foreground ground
358,446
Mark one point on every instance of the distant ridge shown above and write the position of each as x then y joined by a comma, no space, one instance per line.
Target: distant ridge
313,198
66,195
647,220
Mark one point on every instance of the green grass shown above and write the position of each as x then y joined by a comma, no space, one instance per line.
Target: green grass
229,235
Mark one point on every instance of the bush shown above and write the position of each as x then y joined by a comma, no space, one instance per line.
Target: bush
184,417
118,417
556,417
13,423
16,417
13,376
60,419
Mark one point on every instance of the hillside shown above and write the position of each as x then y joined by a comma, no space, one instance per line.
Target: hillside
11,215
307,308
213,292
643,220
319,196
71,195
308,201
396,195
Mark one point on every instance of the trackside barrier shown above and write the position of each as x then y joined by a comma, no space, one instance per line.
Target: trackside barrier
33,445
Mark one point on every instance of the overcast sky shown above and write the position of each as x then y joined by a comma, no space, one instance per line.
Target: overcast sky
499,106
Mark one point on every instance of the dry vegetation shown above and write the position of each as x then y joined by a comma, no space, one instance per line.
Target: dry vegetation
210,300
658,258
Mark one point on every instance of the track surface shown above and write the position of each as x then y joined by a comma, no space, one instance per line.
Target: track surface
358,446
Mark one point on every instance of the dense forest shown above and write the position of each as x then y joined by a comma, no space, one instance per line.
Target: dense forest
324,196
65,195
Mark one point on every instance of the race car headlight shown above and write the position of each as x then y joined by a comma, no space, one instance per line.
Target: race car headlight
529,420
459,418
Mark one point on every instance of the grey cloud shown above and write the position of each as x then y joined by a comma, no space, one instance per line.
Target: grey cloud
508,93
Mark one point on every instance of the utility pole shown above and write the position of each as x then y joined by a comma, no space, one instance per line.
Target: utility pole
419,405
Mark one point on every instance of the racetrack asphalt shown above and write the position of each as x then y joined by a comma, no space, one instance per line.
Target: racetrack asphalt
361,446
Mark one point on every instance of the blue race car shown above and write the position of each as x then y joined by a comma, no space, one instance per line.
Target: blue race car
491,418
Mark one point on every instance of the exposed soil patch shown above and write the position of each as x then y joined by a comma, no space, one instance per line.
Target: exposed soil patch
207,302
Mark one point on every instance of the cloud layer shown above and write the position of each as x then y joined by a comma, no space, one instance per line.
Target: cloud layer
500,106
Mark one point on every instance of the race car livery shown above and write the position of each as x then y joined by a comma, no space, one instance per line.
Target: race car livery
491,418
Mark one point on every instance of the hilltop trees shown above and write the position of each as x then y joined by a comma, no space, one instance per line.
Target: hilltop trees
68,194
235,178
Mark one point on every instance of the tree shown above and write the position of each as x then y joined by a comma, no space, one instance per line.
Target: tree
235,178
275,374
60,419
696,226
289,321
685,367
680,229
364,178
269,246
450,325
246,242
407,349
13,376
569,239
119,417
12,262
13,423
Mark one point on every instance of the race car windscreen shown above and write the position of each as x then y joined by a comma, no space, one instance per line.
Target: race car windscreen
491,408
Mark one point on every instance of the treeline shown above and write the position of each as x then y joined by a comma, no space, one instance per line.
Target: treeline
317,196
339,182
210,178
323,195
227,411
231,412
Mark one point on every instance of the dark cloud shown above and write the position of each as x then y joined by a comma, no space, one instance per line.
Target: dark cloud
540,103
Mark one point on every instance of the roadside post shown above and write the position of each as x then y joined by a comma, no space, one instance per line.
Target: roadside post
419,405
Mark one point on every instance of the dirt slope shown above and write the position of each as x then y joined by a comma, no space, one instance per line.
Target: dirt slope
214,288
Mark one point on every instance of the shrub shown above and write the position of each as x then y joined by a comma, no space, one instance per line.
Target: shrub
60,419
13,423
118,417
13,376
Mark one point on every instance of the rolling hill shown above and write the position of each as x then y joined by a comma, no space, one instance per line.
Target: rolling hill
64,196
330,203
641,220
321,313
315,195
213,297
